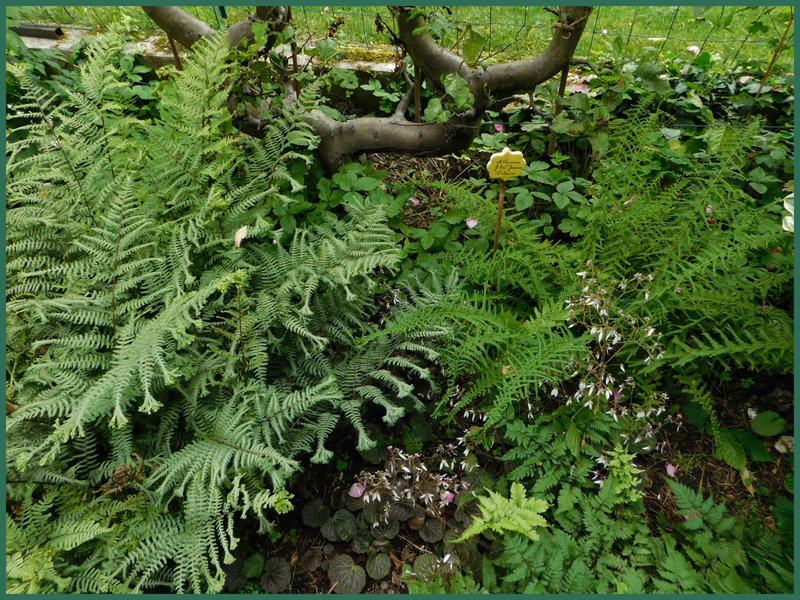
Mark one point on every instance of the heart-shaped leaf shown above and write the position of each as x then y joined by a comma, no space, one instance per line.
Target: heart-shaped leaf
372,512
400,511
345,575
361,541
310,560
472,45
277,575
379,566
377,546
432,531
425,565
768,423
315,513
341,527
381,530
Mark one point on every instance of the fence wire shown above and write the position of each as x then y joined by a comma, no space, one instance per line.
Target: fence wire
511,32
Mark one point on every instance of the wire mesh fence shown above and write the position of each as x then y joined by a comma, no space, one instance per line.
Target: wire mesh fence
511,32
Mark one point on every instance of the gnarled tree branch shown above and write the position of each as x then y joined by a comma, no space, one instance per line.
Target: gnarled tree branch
186,29
340,141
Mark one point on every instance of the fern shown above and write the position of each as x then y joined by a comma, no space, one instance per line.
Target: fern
180,374
519,514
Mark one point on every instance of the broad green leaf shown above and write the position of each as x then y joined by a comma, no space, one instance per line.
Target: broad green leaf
253,566
768,423
730,450
573,439
458,89
346,576
472,45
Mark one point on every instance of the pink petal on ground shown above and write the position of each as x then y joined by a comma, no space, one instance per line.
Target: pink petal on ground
472,223
414,200
671,470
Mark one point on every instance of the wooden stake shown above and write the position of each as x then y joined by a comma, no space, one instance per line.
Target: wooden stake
178,63
499,215
562,85
417,85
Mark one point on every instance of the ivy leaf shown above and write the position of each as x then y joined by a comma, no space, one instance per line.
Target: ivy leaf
768,423
473,45
346,576
379,566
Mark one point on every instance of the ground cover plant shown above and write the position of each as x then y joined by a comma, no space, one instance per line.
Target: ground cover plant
234,368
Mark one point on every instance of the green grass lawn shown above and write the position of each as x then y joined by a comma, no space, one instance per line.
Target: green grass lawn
513,31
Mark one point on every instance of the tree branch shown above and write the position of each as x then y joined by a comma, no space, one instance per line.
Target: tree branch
186,29
424,51
519,76
339,141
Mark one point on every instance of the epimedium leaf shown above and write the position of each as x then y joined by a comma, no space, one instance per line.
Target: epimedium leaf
755,448
573,439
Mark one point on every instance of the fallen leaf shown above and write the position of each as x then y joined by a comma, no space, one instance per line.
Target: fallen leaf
747,480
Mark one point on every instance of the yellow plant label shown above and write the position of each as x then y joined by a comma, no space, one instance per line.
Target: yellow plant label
506,164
